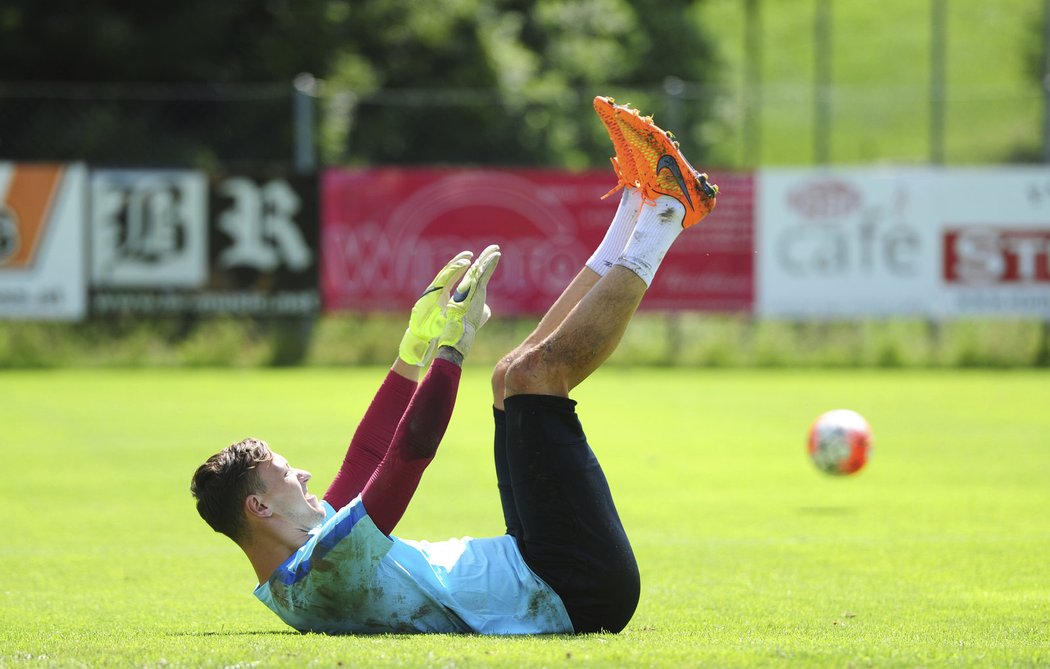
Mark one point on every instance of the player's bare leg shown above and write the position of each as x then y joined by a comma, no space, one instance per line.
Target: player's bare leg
603,258
590,331
584,339
566,302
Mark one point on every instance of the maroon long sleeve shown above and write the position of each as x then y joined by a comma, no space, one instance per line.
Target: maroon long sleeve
371,440
388,492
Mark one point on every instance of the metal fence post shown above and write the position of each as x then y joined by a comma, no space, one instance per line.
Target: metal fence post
1046,81
822,67
674,89
753,82
304,95
937,82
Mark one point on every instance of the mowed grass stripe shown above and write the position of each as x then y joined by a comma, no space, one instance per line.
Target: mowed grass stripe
934,555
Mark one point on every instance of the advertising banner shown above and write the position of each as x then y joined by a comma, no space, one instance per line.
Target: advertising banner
42,259
845,243
174,241
994,242
913,241
149,229
387,231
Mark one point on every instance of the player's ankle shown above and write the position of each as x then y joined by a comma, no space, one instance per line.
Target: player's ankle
618,234
657,227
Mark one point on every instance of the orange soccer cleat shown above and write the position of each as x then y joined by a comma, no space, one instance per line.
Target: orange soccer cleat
660,167
623,163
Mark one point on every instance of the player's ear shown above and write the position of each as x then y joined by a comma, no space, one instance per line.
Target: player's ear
255,506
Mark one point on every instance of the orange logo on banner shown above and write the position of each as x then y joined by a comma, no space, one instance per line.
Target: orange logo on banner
25,212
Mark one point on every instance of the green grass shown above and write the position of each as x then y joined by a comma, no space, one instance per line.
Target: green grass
933,556
880,78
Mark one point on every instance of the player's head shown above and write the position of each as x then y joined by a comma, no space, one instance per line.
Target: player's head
225,480
247,480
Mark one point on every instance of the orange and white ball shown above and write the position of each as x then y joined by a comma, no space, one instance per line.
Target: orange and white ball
840,441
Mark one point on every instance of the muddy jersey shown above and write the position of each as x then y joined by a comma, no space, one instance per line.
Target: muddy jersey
349,577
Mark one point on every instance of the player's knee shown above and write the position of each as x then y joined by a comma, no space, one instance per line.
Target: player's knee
623,592
613,600
499,377
531,373
628,590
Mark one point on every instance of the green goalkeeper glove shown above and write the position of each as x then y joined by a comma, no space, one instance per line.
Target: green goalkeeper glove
466,312
428,318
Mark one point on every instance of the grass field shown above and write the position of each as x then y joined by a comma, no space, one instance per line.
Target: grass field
934,556
880,74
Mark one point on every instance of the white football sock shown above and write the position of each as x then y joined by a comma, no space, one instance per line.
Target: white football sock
657,228
618,233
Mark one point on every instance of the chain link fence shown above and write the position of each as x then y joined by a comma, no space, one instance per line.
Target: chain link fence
307,123
155,125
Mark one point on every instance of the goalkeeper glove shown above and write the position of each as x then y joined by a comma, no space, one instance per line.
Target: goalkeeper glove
466,312
427,320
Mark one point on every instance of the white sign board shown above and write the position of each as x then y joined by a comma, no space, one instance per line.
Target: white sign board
911,241
42,265
994,242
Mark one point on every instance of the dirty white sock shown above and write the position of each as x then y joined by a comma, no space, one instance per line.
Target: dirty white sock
657,228
618,233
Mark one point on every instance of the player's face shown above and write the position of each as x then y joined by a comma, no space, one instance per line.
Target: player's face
286,494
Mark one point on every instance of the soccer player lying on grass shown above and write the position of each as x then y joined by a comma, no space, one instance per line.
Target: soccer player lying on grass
565,564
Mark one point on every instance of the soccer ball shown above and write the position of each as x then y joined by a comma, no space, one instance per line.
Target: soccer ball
840,441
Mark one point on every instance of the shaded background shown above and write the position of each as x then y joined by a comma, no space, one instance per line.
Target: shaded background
508,82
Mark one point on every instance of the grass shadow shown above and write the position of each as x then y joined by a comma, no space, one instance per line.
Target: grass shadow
236,633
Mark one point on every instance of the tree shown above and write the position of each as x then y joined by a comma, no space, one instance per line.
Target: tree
203,83
511,81
157,83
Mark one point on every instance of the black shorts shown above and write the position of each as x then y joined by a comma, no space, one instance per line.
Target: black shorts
557,504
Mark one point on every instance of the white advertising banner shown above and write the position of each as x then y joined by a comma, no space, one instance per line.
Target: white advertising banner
42,258
906,241
149,228
994,242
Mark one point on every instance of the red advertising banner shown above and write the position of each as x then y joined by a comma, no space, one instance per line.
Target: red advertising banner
385,232
996,255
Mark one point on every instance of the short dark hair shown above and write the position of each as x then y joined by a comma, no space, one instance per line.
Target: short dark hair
223,482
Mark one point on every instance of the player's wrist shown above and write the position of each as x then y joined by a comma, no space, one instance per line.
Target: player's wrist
451,355
406,370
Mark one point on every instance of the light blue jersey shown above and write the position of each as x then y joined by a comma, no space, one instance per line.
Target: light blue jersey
349,577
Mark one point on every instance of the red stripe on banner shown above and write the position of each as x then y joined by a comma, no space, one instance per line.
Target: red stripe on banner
29,198
996,255
386,231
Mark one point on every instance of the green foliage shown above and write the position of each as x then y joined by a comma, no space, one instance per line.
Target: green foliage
676,339
934,555
452,81
507,82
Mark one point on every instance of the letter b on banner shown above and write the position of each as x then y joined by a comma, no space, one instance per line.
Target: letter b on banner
149,228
